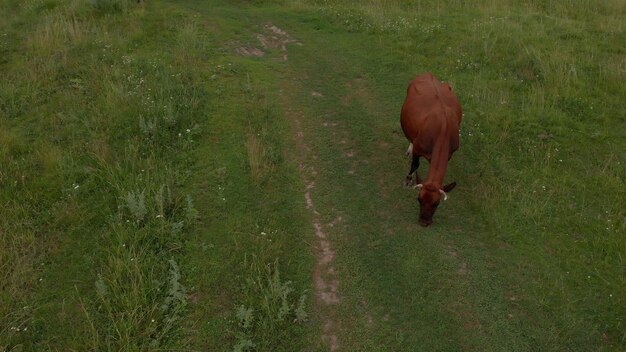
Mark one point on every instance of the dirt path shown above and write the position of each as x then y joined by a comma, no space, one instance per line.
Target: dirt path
324,277
325,280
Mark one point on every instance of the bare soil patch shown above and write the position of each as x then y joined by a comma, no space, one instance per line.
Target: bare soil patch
250,51
276,38
272,37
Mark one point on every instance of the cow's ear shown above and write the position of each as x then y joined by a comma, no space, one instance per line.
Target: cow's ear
449,187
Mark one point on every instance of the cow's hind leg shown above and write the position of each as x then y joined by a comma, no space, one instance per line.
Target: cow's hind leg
415,164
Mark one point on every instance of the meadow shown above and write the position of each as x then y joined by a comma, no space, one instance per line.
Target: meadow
207,175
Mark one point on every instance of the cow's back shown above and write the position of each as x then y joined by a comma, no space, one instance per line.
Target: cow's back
428,104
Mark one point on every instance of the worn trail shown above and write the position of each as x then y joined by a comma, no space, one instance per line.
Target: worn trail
325,280
324,276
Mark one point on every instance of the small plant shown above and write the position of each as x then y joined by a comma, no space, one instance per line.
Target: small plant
301,314
244,316
136,204
101,287
176,298
148,128
272,307
243,345
191,214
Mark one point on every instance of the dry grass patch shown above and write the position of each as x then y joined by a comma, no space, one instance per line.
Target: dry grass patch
258,160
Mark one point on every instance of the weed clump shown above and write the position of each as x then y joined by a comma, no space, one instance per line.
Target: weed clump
272,305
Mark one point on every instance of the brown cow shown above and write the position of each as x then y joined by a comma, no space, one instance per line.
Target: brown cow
430,118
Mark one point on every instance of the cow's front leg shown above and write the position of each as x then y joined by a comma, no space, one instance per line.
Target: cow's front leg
415,164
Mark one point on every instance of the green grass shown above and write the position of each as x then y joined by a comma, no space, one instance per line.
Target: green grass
109,117
100,197
152,196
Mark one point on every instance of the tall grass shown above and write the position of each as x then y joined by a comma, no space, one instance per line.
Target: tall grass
92,192
101,115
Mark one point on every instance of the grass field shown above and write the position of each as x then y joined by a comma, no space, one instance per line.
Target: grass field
226,176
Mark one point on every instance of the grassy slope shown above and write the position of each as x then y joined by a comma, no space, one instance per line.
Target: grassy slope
527,255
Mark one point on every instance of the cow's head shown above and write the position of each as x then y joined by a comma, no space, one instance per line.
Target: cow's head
429,198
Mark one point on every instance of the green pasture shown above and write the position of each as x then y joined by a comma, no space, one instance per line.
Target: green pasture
166,168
